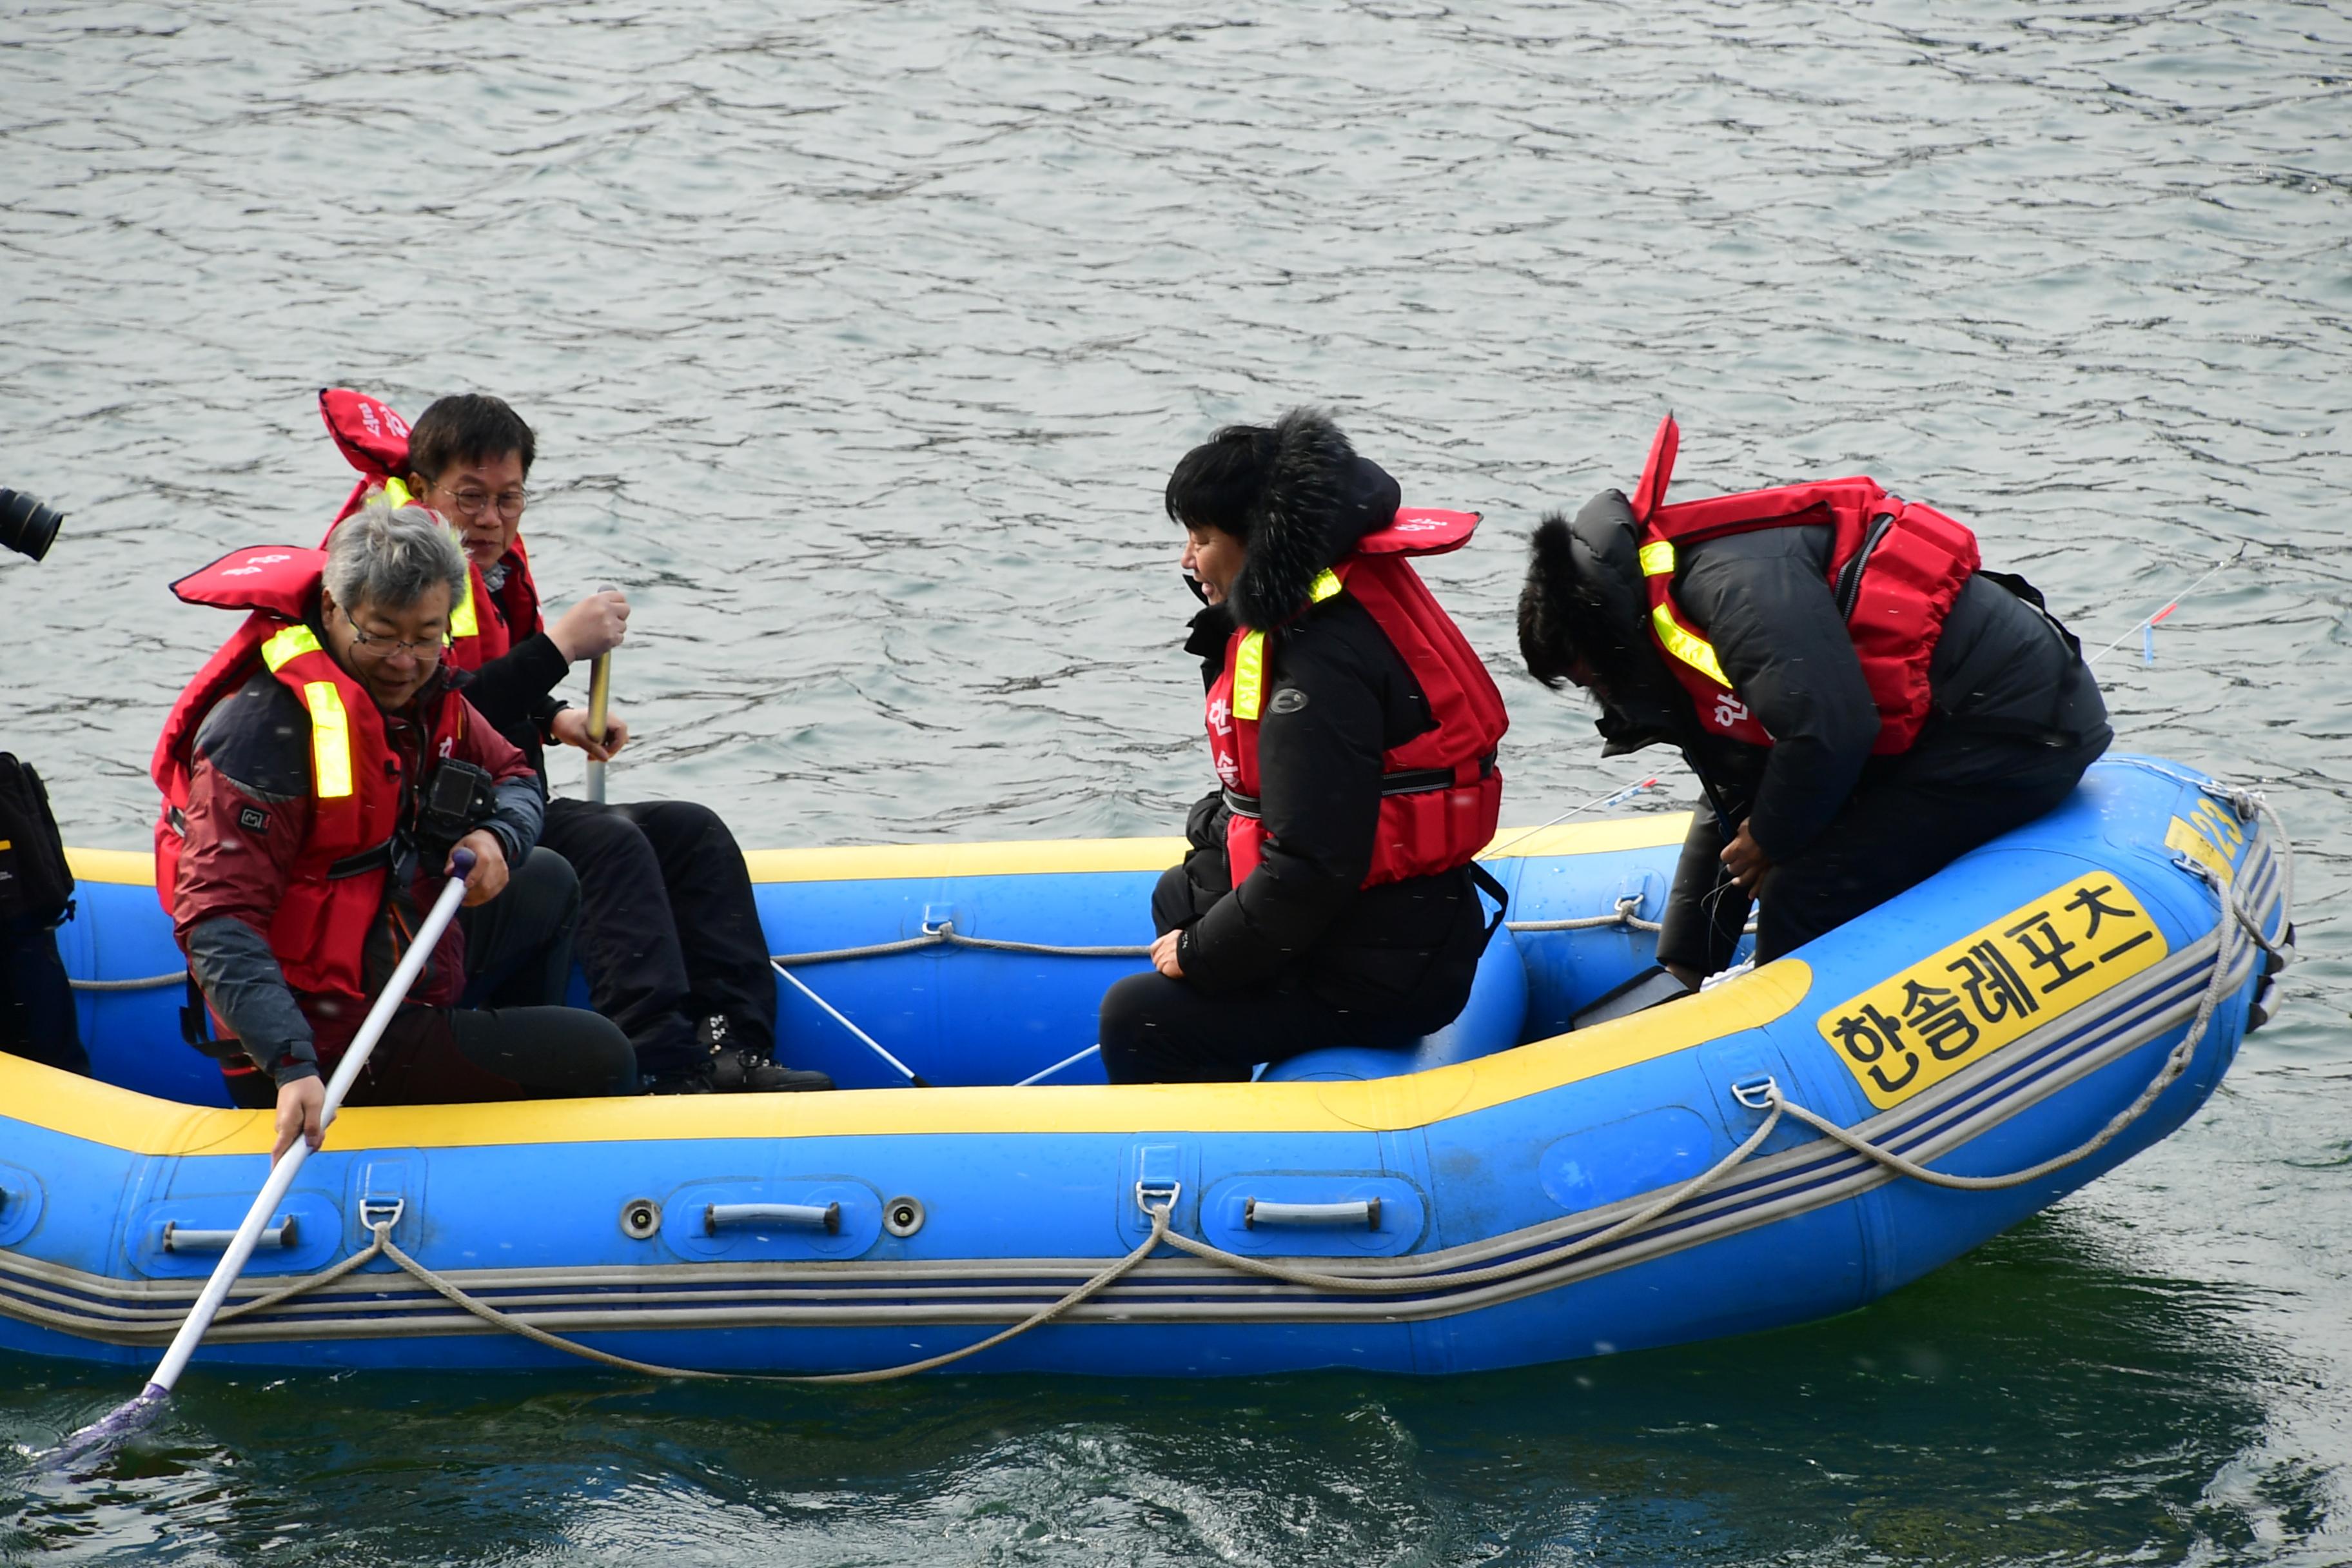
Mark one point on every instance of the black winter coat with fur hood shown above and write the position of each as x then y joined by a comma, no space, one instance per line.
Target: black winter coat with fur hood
1403,952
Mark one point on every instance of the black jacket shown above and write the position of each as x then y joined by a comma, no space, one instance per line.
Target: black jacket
1406,950
2001,667
516,693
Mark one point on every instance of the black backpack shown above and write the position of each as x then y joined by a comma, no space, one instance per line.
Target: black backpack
36,889
38,1018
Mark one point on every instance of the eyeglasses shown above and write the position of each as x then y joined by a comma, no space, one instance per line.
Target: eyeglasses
468,502
377,644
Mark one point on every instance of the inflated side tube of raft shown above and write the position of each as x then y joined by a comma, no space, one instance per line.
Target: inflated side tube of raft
1793,1143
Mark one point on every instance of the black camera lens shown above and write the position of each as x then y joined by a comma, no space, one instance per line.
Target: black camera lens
27,526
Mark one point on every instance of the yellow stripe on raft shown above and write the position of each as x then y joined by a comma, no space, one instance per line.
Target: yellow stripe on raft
1019,857
132,867
80,1108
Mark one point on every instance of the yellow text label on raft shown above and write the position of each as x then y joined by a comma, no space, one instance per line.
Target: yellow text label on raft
1922,1025
2211,835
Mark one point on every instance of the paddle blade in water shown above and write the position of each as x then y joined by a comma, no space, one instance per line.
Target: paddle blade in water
124,1422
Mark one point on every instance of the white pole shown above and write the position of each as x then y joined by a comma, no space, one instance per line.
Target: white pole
282,1174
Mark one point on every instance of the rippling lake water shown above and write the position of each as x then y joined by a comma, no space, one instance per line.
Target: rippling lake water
860,339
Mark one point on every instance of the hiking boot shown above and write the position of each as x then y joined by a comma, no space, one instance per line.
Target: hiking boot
741,1069
762,1075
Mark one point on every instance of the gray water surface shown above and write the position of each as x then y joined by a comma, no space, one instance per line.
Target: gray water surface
860,339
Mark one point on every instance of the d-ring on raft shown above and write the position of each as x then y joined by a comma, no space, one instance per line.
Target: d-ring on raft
1791,1143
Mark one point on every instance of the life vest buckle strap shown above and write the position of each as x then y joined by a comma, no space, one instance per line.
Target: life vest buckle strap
195,1026
1241,805
1417,780
366,860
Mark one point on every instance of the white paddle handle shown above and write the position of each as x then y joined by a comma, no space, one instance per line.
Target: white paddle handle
289,1164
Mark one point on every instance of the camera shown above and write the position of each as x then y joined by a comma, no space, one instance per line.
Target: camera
27,526
458,799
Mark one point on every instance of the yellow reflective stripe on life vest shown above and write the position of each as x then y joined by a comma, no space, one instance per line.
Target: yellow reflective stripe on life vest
1249,663
396,493
461,619
1692,649
1658,558
288,645
1249,675
330,741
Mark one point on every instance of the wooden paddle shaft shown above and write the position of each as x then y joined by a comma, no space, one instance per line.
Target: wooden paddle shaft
600,702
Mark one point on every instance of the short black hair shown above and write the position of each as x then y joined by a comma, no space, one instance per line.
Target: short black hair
471,428
1219,483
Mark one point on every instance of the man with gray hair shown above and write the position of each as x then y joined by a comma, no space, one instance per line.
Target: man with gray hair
317,776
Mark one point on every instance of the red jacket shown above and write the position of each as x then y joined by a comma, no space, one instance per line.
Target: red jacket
289,816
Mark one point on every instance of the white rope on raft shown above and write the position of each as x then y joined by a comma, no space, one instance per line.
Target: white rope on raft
147,983
945,934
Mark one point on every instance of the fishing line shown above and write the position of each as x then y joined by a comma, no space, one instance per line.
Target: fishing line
1628,793
2147,623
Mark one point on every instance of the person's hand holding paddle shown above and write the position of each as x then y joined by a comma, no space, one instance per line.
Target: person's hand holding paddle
597,623
486,879
301,1105
570,726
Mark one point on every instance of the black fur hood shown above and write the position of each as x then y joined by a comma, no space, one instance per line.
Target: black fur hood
1319,500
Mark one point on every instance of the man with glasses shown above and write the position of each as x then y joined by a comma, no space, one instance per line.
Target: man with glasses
309,818
669,935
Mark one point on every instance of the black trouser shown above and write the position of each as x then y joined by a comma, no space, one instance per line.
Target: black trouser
668,931
456,1055
37,1015
1910,816
1158,1030
519,957
519,945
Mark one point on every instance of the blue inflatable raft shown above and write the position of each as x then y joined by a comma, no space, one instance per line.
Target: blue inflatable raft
1779,1148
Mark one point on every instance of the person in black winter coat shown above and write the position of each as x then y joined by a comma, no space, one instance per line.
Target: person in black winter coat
1301,954
1813,823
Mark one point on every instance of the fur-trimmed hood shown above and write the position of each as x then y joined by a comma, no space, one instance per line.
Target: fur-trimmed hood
1319,499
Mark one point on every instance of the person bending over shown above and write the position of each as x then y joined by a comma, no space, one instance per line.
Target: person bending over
316,774
1329,896
1860,701
670,933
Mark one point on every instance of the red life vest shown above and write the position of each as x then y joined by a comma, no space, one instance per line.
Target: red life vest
375,440
501,618
333,901
1441,795
1895,567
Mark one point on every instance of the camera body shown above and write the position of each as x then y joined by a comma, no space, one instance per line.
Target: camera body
458,798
